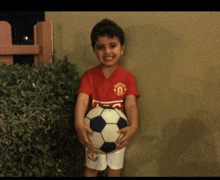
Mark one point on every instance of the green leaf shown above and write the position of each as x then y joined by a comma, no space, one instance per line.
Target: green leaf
4,102
47,147
23,93
15,100
37,138
4,130
29,139
20,148
61,99
39,146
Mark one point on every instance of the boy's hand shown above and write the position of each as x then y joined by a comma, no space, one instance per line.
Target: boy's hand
128,132
83,133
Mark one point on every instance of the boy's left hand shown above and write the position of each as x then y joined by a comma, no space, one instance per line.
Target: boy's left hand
128,132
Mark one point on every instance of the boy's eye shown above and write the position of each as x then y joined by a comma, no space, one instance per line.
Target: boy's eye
99,47
113,45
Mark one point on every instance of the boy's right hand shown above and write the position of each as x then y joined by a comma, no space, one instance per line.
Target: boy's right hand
83,133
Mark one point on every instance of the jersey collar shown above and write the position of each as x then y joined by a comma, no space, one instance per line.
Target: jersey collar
111,76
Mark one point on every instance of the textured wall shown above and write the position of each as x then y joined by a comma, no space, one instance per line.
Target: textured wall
175,59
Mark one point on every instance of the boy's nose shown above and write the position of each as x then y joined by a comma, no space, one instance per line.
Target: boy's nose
107,50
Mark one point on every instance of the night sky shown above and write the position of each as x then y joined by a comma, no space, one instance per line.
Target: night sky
22,23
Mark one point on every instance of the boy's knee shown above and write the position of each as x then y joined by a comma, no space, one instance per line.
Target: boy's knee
91,172
113,173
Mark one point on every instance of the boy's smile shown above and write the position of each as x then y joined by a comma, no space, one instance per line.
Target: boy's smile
108,51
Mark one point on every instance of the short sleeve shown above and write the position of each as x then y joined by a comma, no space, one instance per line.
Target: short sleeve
85,86
131,86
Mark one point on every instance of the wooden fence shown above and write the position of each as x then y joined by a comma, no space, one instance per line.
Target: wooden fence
42,48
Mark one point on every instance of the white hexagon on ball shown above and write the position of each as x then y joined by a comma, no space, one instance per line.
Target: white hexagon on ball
87,121
94,113
110,133
121,113
97,140
110,116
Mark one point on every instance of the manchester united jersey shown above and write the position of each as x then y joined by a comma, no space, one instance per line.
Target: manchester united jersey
108,91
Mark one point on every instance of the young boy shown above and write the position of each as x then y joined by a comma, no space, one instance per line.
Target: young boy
106,84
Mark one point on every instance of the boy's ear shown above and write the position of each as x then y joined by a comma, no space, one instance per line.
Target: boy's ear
122,49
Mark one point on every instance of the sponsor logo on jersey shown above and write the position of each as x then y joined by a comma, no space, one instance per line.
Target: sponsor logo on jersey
115,104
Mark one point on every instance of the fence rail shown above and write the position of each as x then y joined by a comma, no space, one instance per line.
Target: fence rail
19,49
42,48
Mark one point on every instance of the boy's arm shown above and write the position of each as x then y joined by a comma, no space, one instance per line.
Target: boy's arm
131,110
81,129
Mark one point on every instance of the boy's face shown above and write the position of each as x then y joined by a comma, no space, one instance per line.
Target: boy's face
108,50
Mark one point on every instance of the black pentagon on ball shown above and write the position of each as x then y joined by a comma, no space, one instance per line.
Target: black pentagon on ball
108,147
97,124
122,123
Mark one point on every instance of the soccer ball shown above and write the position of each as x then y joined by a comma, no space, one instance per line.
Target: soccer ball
105,122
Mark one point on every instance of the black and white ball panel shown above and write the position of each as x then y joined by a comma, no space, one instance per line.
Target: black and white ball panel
105,122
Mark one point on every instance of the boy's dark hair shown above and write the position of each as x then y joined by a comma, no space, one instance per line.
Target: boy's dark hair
108,28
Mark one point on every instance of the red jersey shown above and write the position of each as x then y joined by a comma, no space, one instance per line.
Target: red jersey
108,91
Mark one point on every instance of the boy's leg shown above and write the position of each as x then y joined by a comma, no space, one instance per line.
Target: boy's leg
94,163
115,163
91,172
113,173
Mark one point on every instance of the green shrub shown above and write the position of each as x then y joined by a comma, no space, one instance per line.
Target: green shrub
36,117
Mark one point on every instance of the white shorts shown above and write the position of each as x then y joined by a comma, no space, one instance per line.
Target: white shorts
100,162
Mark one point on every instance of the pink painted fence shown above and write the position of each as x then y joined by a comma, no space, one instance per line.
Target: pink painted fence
42,48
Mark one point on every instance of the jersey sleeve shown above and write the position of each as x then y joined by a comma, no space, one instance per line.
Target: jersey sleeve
131,86
85,86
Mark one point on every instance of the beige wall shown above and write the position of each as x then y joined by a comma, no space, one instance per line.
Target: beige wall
175,59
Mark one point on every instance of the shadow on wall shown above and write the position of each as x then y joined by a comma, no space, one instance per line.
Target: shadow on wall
186,150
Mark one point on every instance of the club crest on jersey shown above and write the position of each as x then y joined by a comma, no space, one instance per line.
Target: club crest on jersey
120,89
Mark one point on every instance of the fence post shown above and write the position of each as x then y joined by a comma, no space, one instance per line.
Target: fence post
42,48
6,39
43,38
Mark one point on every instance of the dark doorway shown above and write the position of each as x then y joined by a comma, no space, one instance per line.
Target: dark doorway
22,23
